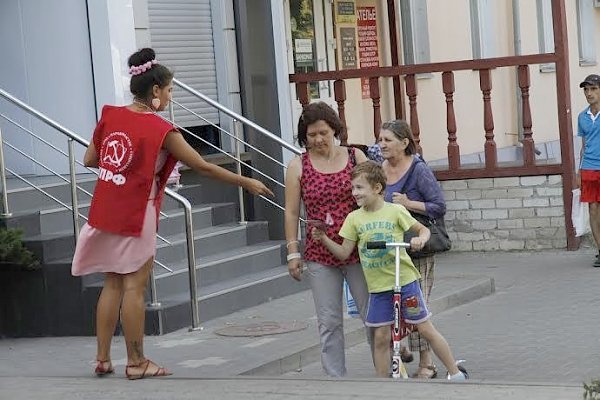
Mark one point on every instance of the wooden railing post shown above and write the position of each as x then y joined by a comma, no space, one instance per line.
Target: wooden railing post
339,92
303,93
528,144
411,92
375,97
485,84
563,105
395,59
453,148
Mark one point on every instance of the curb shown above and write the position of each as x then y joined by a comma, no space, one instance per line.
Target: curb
354,331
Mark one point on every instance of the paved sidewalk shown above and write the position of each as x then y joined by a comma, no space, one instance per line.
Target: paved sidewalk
540,326
204,353
273,389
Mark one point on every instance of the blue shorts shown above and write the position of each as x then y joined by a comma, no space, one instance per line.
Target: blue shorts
380,311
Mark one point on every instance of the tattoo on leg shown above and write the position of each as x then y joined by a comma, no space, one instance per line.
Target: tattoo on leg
137,349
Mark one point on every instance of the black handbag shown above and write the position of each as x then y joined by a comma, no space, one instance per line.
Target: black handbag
437,243
439,240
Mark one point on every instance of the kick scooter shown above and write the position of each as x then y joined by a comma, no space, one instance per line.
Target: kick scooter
400,329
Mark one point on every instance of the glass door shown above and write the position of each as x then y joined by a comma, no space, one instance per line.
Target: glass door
311,47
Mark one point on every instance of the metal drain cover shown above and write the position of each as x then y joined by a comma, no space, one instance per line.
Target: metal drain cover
262,328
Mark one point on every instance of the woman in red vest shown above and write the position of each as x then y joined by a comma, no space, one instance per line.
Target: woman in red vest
135,150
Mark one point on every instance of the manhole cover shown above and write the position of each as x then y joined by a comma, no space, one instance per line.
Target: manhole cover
262,329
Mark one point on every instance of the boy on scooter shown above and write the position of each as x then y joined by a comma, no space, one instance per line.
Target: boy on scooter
377,220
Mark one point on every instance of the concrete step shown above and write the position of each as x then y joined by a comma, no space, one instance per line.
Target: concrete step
220,267
60,245
58,219
171,220
212,240
203,216
209,191
216,300
28,222
222,298
23,199
51,246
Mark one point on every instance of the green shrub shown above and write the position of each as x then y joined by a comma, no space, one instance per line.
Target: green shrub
591,391
14,252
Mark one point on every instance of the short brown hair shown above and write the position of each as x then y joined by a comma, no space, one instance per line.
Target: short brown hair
401,130
373,173
319,111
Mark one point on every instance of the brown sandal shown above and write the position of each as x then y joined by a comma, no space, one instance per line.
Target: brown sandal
161,371
428,372
103,367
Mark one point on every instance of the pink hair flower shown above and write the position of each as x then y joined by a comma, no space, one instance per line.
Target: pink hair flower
139,69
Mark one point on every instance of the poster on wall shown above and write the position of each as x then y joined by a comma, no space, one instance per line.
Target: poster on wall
368,52
303,52
345,12
348,43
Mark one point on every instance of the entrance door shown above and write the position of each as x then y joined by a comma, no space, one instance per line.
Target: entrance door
311,47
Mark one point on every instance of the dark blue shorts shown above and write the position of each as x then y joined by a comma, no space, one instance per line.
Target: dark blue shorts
413,309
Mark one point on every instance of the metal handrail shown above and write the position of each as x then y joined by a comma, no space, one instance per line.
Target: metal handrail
71,174
47,143
236,120
74,137
238,160
238,117
237,139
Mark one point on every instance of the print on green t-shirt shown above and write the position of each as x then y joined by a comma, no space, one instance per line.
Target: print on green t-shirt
386,224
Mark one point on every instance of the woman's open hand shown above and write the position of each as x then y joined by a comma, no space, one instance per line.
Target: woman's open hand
257,187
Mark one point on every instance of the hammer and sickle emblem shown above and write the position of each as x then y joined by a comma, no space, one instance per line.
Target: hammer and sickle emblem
115,153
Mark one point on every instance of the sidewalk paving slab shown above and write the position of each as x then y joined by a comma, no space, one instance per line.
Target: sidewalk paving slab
540,325
203,352
241,388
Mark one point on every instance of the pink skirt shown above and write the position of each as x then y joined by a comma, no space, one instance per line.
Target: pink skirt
99,251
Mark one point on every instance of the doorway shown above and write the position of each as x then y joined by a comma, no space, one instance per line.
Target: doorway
311,47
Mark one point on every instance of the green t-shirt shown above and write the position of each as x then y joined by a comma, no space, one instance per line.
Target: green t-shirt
386,224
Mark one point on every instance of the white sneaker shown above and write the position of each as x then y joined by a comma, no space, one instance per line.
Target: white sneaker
459,376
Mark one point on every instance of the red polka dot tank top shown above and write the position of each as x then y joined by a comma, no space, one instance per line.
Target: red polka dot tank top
327,197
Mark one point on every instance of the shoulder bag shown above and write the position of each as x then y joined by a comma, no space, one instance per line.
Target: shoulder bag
439,240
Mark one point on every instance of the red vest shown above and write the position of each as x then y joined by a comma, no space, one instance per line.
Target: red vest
128,144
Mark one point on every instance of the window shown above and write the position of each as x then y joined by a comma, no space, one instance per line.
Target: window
482,29
415,31
545,32
585,32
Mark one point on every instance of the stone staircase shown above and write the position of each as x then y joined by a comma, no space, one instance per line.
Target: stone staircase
237,265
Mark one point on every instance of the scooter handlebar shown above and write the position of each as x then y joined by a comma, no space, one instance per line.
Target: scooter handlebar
380,244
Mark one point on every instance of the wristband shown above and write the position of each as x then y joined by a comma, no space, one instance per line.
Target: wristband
291,242
293,256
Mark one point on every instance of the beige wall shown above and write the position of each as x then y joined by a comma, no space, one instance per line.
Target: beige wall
450,39
359,112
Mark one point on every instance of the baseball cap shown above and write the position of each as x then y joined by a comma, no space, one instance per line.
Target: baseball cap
593,80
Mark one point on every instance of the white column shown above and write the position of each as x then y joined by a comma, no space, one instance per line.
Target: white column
112,37
286,125
226,63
